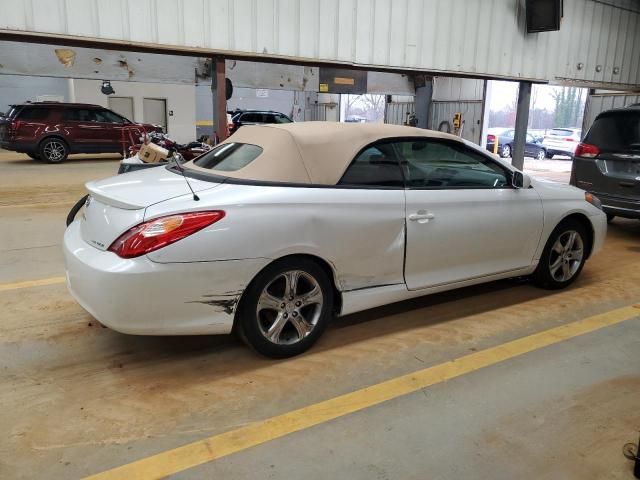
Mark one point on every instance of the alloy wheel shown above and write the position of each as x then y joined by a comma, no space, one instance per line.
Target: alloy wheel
506,151
566,256
289,307
54,151
541,155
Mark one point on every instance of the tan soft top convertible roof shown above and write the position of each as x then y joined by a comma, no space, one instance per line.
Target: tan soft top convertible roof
310,152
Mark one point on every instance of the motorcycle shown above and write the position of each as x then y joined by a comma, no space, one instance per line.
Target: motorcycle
187,151
176,152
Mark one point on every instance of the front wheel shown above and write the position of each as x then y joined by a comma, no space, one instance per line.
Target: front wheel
286,308
563,256
506,151
541,155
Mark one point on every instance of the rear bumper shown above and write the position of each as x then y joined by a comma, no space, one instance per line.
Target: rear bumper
622,207
586,175
138,296
558,149
21,147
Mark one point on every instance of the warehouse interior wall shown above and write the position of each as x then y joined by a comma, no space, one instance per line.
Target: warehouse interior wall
20,89
181,102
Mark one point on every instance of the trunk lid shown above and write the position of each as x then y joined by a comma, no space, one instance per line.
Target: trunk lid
617,136
118,203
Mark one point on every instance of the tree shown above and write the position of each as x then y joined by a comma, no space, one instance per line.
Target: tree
569,106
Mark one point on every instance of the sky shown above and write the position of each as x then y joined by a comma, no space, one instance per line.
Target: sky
504,93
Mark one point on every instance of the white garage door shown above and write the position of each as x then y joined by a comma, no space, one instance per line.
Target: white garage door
122,106
155,111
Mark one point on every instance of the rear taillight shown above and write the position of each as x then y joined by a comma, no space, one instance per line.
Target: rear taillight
491,138
586,150
13,128
569,139
160,232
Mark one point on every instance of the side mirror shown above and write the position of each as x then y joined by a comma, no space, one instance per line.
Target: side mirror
520,180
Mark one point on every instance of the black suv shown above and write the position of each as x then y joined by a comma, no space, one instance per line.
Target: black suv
255,117
607,162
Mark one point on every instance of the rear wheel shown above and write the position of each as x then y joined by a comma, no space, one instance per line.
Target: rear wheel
541,155
563,256
286,308
505,151
54,150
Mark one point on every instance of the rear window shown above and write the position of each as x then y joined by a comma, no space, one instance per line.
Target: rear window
615,132
229,157
12,112
561,132
33,114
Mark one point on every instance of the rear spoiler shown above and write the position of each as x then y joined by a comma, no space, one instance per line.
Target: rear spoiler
96,193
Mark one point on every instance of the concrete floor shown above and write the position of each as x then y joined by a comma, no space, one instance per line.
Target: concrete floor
79,399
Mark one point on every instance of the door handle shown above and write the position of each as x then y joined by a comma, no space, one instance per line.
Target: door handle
421,217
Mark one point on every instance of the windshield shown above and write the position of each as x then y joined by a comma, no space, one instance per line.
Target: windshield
229,157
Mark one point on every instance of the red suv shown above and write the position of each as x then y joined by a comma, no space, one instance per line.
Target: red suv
51,130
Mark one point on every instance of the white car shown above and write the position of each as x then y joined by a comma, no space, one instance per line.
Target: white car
289,225
561,141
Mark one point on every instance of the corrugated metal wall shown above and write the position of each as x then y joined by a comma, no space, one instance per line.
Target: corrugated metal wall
601,102
475,37
452,95
442,112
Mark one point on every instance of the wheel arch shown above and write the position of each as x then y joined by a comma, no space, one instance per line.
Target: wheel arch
583,220
321,262
57,137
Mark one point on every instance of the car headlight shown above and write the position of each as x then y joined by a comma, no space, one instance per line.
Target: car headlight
593,200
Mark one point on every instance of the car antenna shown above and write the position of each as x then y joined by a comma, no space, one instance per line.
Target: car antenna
181,170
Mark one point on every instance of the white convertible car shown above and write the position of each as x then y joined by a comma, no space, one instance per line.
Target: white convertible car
289,225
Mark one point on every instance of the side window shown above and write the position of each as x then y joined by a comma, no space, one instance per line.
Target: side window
269,118
375,166
107,116
282,118
440,165
251,118
77,115
33,114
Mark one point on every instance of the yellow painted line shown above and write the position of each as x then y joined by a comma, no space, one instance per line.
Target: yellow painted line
204,123
31,283
217,446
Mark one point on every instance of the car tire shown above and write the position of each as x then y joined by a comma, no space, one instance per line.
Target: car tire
505,151
34,156
541,155
280,322
563,256
54,150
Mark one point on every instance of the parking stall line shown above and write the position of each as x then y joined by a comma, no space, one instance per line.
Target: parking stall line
217,446
31,283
